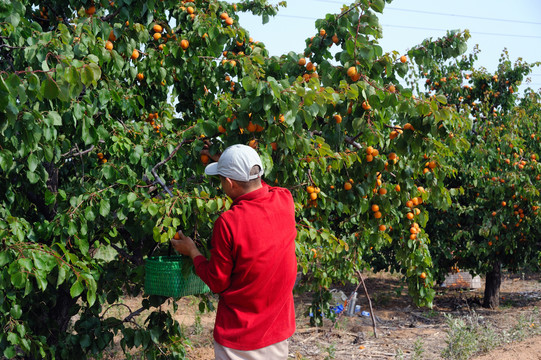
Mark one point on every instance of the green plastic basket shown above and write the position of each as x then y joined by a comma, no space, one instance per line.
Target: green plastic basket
172,276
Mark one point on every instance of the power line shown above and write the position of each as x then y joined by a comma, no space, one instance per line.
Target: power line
464,16
471,32
447,14
423,28
296,17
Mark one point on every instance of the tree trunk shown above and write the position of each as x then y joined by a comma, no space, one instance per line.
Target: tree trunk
59,317
492,286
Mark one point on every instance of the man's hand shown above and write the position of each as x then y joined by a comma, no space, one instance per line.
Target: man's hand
214,157
185,245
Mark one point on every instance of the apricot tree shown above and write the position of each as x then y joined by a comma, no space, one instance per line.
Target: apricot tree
493,223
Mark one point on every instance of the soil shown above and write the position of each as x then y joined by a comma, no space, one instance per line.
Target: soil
403,330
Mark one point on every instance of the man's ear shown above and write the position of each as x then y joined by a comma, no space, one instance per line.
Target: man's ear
230,183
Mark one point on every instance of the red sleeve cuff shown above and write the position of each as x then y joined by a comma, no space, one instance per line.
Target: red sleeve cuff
198,260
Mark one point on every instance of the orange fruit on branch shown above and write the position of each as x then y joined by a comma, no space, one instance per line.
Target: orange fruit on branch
352,72
91,10
134,54
205,159
366,105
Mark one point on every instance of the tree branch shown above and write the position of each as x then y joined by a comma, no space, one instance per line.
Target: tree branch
123,253
153,171
112,15
70,153
352,141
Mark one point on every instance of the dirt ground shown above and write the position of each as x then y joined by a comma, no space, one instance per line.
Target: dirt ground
403,330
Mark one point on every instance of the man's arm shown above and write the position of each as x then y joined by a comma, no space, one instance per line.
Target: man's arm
216,271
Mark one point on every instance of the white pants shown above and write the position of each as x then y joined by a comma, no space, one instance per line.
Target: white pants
278,351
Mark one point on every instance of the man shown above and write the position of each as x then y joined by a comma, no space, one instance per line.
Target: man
252,263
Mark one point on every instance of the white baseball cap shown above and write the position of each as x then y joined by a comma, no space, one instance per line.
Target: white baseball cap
235,163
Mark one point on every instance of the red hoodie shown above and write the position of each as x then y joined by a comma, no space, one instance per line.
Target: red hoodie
253,268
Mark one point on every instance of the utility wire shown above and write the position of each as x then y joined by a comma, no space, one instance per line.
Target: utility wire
471,32
447,14
421,28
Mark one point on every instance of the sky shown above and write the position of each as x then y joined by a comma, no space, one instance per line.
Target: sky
495,25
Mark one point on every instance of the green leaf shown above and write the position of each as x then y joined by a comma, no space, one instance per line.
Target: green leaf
18,280
6,160
153,209
41,279
49,89
155,335
209,127
32,177
4,258
108,172
3,86
90,215
377,5
44,261
132,197
26,264
76,289
16,311
61,276
249,84
54,118
72,228
10,352
84,341
274,86
91,74
33,162
14,18
91,297
442,99
105,207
